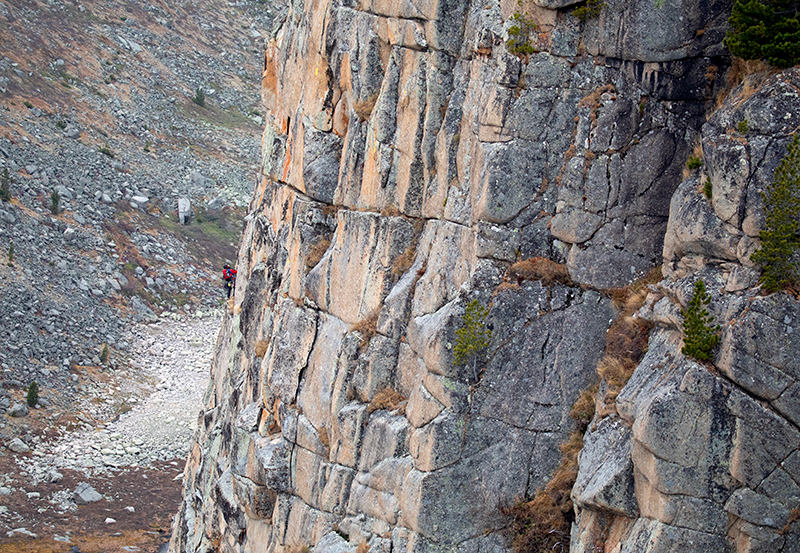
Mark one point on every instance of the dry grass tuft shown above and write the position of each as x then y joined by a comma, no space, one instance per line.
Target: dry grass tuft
388,399
750,72
367,327
363,547
582,411
542,524
630,298
316,252
540,268
261,348
794,516
626,339
403,262
391,211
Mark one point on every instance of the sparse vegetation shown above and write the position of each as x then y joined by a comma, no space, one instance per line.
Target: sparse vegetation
367,328
707,188
316,252
473,337
199,97
590,10
694,162
542,523
55,200
60,124
104,354
5,186
768,31
386,398
699,333
779,240
540,268
106,150
521,33
32,397
261,348
27,104
743,127
11,254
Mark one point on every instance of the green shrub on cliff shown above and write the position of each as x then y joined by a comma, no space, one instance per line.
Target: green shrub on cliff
780,241
700,335
521,33
590,10
473,336
768,30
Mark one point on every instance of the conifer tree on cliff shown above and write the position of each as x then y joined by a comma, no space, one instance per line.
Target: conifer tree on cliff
767,30
779,240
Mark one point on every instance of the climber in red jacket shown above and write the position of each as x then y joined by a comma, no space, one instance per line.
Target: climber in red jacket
230,278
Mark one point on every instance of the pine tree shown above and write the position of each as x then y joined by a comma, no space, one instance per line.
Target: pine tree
55,209
5,188
33,394
472,337
699,333
779,241
768,30
11,254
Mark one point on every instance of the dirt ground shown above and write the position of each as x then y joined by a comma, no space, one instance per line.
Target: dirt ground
153,494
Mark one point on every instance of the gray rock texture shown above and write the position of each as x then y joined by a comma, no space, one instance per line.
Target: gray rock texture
410,160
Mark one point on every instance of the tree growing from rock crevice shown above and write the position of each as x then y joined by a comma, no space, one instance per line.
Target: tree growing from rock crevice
779,240
700,335
472,338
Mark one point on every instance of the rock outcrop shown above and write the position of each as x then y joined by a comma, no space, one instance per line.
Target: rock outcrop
409,160
705,457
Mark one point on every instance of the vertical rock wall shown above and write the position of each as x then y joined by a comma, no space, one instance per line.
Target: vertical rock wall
706,457
408,160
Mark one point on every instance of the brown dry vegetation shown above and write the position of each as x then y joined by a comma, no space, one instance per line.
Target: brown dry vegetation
367,328
540,268
261,348
316,252
387,398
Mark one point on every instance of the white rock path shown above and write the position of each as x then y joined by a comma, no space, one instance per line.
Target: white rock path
174,358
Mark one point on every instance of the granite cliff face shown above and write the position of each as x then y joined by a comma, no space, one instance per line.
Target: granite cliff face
408,161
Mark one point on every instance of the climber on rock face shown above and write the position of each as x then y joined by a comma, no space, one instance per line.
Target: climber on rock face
230,278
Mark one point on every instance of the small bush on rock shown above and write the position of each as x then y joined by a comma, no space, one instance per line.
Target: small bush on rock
779,241
521,33
11,254
32,397
590,10
694,162
104,354
473,336
699,333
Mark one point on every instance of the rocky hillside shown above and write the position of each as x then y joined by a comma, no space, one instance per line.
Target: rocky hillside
100,103
458,206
